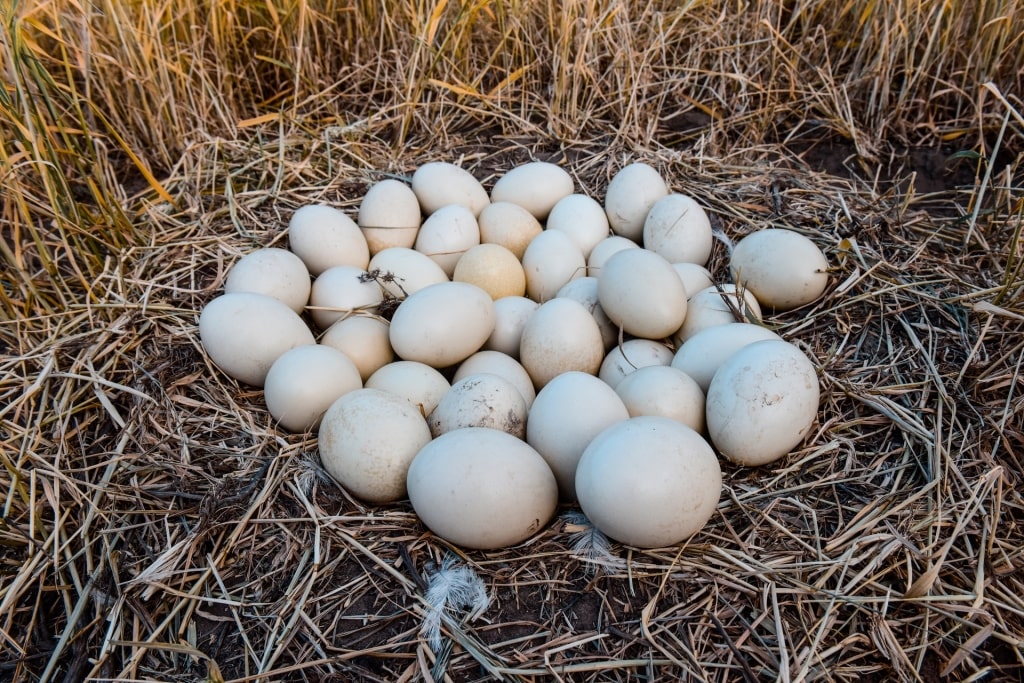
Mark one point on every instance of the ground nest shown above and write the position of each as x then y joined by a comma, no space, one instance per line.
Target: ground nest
159,527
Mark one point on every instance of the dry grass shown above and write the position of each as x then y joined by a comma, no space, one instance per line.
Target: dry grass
156,526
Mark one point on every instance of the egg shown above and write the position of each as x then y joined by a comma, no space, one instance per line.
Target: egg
649,482
364,339
510,316
502,365
584,290
560,336
632,355
716,305
762,402
509,225
492,268
244,333
641,292
389,216
782,268
342,291
367,439
303,383
480,400
447,234
442,324
324,237
440,183
703,353
665,391
605,249
695,277
567,414
551,260
536,186
629,197
482,488
582,218
277,273
403,271
420,384
678,229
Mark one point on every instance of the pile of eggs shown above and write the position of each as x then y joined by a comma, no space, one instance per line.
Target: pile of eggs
486,356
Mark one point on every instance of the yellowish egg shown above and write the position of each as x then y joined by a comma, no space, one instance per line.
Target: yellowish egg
492,268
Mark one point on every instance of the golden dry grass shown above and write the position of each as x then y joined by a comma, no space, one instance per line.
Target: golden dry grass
156,526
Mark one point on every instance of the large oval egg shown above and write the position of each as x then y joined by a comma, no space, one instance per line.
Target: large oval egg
303,383
642,293
536,186
782,268
364,339
274,272
402,271
502,365
442,324
440,183
629,197
583,218
509,225
492,268
551,260
447,234
389,215
324,237
678,229
560,336
703,353
665,391
480,400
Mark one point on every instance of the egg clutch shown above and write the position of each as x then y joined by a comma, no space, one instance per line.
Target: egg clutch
487,355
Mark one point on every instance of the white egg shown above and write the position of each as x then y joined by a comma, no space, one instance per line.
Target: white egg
583,218
275,272
665,391
629,197
716,305
492,268
630,356
782,268
509,225
695,277
642,293
440,183
649,482
447,234
389,216
367,439
482,488
324,237
703,353
502,365
244,333
403,271
678,228
303,383
536,186
510,316
420,384
604,250
480,400
567,414
442,324
560,336
584,290
342,291
551,260
762,402
364,339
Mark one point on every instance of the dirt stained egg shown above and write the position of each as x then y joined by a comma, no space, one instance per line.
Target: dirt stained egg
274,272
502,365
389,215
480,400
324,237
439,183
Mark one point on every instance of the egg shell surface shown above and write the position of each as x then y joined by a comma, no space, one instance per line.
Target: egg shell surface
324,237
492,268
583,218
584,290
629,197
447,234
716,305
365,339
703,353
420,384
502,365
509,225
440,183
303,383
665,391
510,316
536,186
277,273
641,292
389,215
561,336
678,229
402,271
631,355
341,291
442,324
782,268
480,400
551,260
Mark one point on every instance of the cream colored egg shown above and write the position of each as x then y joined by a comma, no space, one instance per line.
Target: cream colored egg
502,365
567,414
482,488
481,400
389,216
551,260
509,225
275,272
703,353
447,234
630,356
629,197
762,402
561,336
492,268
364,339
665,391
584,290
367,439
303,383
782,268
342,291
403,271
604,250
244,333
536,186
440,183
510,316
678,229
420,384
649,482
695,277
642,293
324,237
582,218
442,324
716,305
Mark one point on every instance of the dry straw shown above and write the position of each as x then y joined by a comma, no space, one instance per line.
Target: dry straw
156,526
